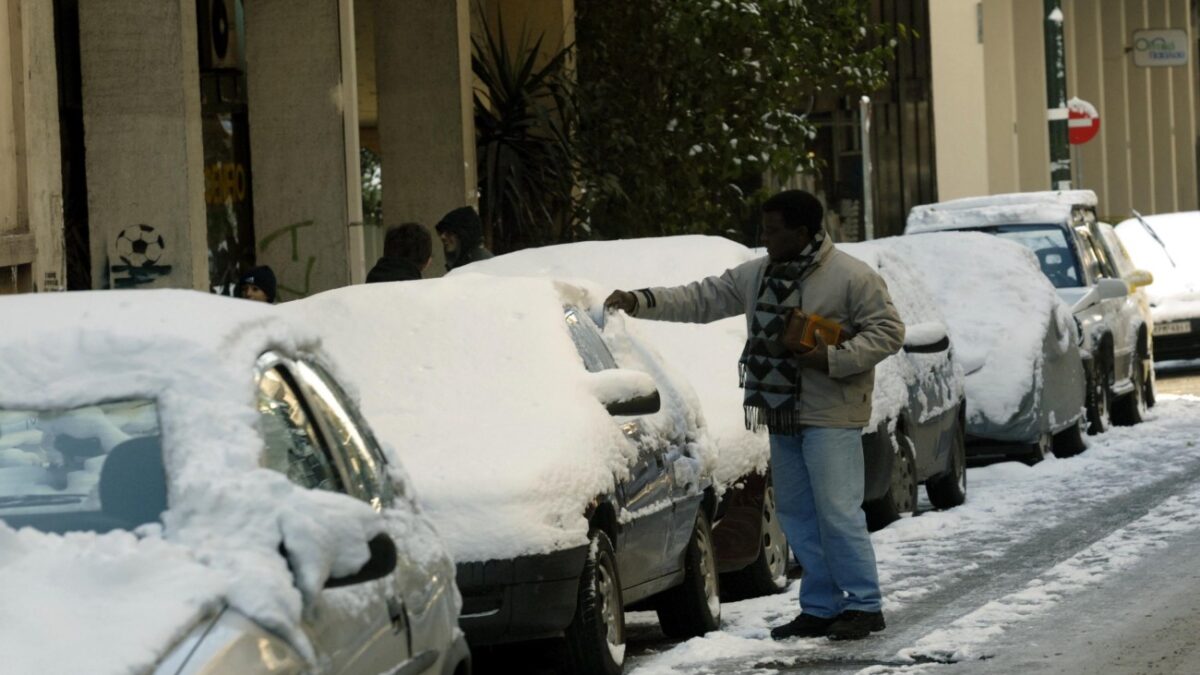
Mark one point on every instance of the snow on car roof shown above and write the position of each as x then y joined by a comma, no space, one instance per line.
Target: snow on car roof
997,305
124,599
1175,293
1003,209
477,386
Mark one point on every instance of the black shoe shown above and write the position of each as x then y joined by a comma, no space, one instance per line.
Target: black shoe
855,625
803,626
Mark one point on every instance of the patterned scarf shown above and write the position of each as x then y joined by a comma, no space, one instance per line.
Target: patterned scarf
768,372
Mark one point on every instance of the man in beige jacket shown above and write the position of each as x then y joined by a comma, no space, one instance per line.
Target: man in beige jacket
813,404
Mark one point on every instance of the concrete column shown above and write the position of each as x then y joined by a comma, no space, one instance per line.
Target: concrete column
1000,96
299,143
1184,88
1033,135
426,123
43,161
145,159
960,119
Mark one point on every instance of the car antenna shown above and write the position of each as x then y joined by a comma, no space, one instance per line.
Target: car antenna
1155,235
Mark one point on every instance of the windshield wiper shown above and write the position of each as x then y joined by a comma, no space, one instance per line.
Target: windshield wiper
41,500
1155,235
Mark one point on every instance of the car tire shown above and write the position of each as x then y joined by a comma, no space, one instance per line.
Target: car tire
1099,398
1038,450
1130,409
901,496
950,488
693,608
1069,442
767,575
595,638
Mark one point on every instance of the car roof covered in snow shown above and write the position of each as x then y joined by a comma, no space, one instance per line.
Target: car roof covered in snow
1004,209
476,385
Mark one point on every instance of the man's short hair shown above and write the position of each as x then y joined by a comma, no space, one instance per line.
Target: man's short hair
799,209
408,241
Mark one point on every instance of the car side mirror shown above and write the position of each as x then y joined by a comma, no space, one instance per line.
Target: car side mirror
1138,279
1105,289
926,338
379,565
626,392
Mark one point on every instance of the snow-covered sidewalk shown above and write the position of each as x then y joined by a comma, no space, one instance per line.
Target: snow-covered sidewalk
1026,538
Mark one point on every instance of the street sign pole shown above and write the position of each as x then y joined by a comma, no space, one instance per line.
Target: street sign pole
868,196
1056,97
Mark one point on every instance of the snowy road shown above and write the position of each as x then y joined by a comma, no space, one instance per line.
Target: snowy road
1036,552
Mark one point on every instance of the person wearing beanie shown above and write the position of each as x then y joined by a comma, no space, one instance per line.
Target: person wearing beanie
407,250
462,237
257,284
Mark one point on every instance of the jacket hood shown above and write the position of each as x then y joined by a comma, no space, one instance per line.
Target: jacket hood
464,223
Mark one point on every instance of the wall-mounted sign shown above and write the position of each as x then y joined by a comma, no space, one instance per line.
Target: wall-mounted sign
1160,47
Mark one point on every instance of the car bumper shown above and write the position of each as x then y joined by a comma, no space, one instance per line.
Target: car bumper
522,598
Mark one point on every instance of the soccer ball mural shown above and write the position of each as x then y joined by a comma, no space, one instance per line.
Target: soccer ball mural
140,246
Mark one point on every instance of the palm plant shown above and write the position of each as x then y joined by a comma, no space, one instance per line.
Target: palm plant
523,116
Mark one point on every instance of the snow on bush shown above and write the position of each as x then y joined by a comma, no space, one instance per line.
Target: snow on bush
130,595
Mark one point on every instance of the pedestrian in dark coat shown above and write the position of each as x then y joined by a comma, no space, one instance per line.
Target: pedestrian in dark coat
462,237
257,284
407,250
814,404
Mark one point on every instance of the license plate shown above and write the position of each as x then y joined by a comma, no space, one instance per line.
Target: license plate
1175,328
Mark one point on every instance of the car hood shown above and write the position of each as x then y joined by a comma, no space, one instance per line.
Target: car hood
110,603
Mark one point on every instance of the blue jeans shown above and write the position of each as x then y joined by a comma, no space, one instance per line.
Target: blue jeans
818,478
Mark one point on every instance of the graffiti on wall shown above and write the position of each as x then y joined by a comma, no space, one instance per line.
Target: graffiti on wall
140,251
293,231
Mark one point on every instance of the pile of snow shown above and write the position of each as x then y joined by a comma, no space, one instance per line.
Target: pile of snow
476,386
1005,209
1175,293
997,306
117,600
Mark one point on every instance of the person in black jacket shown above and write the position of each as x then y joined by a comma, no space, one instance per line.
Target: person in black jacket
257,284
407,250
462,237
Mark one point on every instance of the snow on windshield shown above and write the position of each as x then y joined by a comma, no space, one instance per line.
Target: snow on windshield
1175,293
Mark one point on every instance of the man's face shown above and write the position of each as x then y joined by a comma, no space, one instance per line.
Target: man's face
252,292
783,244
449,241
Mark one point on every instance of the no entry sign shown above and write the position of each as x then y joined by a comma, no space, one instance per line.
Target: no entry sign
1083,121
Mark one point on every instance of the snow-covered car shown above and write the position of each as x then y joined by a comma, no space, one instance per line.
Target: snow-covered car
1016,341
184,488
1061,229
1168,246
915,435
565,468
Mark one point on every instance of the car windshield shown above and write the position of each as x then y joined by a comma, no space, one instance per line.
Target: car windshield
1049,244
93,468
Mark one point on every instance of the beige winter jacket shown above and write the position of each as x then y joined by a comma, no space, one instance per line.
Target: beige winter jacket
838,287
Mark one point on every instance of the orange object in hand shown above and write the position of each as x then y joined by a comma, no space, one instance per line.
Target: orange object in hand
801,331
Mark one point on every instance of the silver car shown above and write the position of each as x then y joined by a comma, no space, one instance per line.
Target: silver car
129,430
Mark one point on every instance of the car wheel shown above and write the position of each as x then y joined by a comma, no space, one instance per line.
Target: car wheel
767,575
1098,396
596,636
1069,442
1038,450
901,496
950,489
1148,369
693,608
1130,409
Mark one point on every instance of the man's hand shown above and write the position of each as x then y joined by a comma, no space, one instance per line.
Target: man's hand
816,358
623,300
